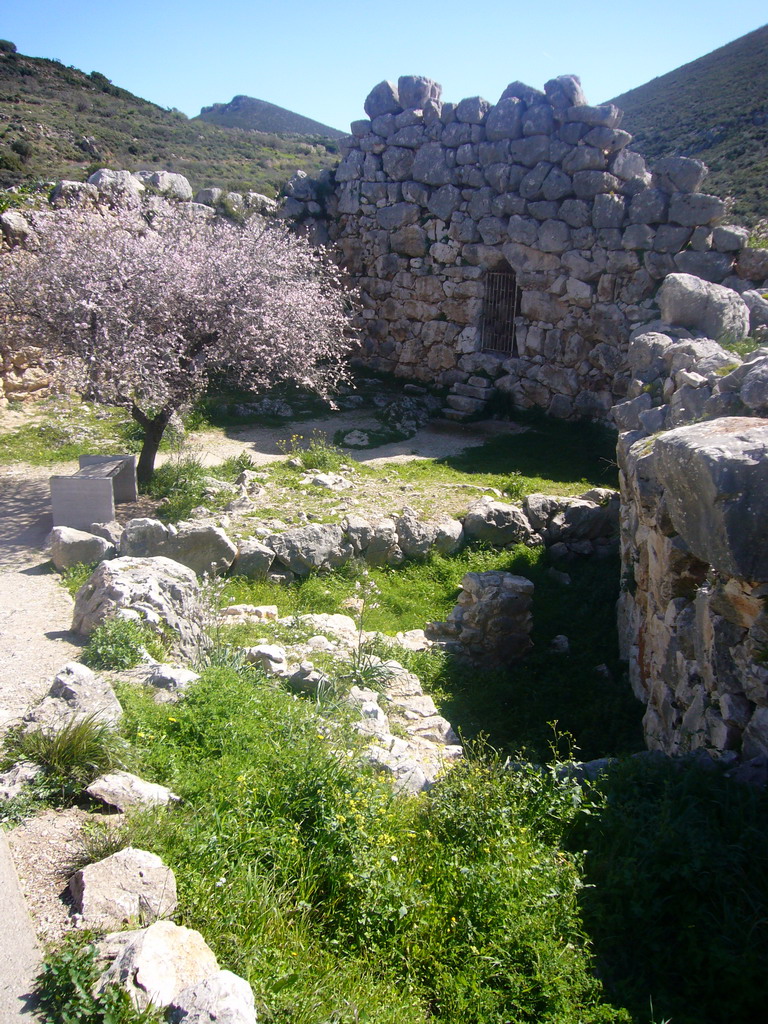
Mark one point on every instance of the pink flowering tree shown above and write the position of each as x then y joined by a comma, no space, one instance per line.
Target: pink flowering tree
139,310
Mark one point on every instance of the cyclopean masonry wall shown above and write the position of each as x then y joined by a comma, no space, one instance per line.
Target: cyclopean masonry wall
431,197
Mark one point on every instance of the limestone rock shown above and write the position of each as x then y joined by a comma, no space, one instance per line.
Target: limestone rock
414,91
174,185
15,227
310,547
120,187
716,478
382,99
497,523
156,590
171,677
76,693
131,885
253,560
123,790
716,311
70,547
13,781
156,964
223,998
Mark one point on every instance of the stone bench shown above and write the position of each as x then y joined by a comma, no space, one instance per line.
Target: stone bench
89,496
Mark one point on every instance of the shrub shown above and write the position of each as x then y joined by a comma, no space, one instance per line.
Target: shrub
6,46
122,643
316,452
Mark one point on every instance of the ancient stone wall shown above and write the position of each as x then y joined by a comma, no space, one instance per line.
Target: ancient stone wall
431,198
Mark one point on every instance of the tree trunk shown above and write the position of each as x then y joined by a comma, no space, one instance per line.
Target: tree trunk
153,428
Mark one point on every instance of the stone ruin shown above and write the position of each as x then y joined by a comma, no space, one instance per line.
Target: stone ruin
512,246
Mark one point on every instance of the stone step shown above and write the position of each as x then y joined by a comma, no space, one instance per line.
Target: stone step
483,394
464,404
455,415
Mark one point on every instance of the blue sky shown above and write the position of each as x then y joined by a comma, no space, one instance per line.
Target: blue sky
321,59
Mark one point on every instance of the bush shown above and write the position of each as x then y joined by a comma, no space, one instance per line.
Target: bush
122,643
316,452
6,46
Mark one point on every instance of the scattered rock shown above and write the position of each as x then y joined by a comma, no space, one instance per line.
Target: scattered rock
70,547
76,693
224,998
156,964
130,886
123,790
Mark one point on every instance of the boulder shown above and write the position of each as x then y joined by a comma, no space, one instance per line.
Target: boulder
156,964
157,590
317,546
497,523
14,227
414,91
715,475
253,559
130,886
382,99
171,677
715,311
224,998
72,547
174,185
13,781
123,790
76,693
120,187
203,547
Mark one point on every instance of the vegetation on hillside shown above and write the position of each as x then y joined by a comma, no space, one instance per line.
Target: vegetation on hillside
58,122
716,110
247,112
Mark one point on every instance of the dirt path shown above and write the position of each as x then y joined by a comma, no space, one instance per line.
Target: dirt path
35,611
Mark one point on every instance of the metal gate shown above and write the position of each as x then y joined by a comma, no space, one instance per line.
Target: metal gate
500,307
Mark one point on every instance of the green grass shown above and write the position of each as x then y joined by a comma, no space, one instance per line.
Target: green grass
338,900
122,643
676,890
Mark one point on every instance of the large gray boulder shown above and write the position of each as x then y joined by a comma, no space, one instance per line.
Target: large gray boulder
120,187
174,185
497,523
158,591
254,559
307,548
224,998
156,964
203,547
382,99
72,547
715,475
130,886
710,309
76,693
14,227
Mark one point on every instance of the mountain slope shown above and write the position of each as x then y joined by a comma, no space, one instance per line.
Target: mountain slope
714,109
57,122
247,112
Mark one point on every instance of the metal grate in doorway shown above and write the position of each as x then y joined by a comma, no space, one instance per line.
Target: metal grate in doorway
500,307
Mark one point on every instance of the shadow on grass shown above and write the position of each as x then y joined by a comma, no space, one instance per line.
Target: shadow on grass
563,452
585,691
676,891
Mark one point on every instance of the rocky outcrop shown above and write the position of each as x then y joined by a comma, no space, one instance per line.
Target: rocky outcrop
695,574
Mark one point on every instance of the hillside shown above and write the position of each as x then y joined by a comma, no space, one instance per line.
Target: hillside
714,109
247,112
58,122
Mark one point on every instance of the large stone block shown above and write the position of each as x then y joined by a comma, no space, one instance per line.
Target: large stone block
700,305
715,475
